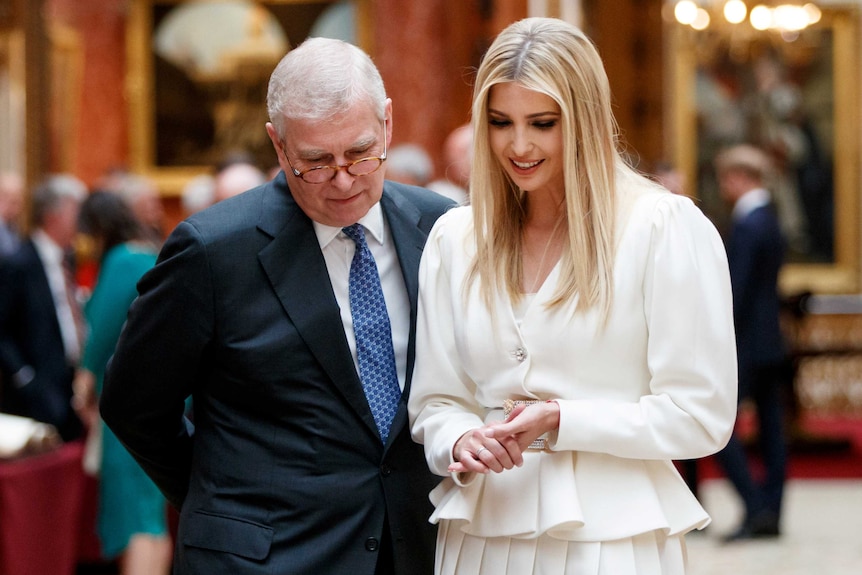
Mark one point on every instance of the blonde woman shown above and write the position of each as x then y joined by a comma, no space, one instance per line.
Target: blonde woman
574,335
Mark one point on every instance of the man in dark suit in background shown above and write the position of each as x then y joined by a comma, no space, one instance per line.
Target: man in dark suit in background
755,251
40,318
248,311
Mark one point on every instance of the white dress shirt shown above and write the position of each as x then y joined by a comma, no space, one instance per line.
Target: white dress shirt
338,252
52,260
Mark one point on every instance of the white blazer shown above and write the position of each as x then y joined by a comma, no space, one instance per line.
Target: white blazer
658,383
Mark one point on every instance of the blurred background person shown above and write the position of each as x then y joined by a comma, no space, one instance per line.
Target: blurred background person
132,513
198,194
670,177
142,195
236,178
409,164
41,326
11,209
755,252
234,174
457,157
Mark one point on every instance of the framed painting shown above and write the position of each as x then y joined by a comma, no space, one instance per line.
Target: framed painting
197,75
797,97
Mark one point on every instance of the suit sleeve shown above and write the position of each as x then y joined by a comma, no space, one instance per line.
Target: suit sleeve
157,360
743,266
11,282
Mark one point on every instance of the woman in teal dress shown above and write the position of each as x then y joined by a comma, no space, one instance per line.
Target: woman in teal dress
132,513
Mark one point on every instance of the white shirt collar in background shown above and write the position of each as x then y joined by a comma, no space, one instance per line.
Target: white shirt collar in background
749,202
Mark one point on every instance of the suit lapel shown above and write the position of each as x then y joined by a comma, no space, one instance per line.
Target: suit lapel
297,272
403,218
42,295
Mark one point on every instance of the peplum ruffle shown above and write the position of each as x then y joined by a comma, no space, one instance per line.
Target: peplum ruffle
580,497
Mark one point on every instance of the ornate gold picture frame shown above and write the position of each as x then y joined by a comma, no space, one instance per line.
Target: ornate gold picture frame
197,75
799,98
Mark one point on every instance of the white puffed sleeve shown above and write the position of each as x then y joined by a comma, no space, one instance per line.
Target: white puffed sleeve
442,405
673,279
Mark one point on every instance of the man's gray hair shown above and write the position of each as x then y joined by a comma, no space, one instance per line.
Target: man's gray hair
52,191
320,77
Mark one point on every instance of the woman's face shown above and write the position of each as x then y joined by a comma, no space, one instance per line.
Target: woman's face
526,137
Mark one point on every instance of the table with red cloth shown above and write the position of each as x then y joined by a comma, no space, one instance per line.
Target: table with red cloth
42,507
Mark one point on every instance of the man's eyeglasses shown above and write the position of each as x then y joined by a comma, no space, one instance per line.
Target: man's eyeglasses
323,174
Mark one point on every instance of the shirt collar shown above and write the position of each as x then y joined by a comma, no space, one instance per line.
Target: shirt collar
372,222
749,202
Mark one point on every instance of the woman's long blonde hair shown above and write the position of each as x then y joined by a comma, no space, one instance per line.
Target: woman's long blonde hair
555,58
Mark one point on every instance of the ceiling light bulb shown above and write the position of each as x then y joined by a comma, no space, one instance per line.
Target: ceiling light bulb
790,17
735,11
701,20
761,17
814,13
685,11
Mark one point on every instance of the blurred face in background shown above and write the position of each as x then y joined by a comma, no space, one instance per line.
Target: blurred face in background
458,155
61,223
148,208
11,197
733,183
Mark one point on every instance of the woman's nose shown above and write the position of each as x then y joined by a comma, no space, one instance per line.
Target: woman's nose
521,143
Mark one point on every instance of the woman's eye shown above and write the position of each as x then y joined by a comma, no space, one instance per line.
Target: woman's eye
496,122
546,125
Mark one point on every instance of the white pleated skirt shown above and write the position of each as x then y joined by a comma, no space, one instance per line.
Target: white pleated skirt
650,553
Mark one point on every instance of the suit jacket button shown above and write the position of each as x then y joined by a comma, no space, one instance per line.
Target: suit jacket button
386,470
372,544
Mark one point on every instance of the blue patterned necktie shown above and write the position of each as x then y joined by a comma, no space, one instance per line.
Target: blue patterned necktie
373,334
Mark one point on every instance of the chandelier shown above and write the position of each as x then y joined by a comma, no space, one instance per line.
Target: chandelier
786,18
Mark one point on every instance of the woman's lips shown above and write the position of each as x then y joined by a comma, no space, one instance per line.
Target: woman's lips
525,167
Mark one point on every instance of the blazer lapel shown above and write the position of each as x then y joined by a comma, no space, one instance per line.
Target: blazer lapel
297,272
403,218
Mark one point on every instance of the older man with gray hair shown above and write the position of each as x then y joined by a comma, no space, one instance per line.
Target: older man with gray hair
41,326
287,313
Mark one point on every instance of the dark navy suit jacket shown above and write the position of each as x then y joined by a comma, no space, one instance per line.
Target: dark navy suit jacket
755,252
285,471
30,336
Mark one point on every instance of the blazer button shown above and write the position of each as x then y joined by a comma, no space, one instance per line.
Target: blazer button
372,544
520,354
385,470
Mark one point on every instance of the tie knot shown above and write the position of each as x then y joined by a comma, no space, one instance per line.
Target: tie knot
355,233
